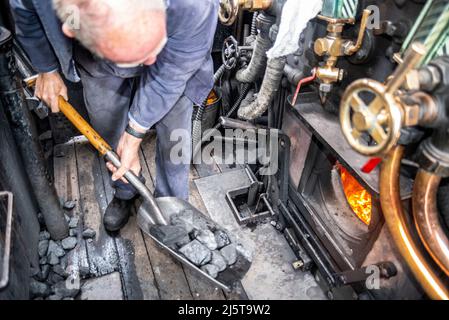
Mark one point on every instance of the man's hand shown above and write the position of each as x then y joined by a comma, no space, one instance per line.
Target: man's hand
128,151
49,86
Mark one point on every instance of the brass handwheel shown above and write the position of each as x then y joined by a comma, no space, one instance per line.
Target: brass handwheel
378,118
370,108
229,11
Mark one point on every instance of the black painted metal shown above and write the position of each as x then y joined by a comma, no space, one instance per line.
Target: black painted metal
24,131
308,240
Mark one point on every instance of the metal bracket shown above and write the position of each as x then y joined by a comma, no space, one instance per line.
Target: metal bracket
4,278
387,270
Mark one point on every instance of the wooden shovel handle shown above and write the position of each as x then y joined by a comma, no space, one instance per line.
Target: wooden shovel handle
78,121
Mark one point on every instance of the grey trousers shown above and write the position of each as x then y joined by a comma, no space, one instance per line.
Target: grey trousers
108,97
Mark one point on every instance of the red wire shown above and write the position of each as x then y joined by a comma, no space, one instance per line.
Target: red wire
301,83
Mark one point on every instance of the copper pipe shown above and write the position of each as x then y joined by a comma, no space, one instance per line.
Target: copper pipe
427,221
397,223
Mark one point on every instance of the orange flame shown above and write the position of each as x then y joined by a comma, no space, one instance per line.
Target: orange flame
358,198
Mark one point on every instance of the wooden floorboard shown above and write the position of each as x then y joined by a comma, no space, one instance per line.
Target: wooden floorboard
135,267
66,184
102,253
142,268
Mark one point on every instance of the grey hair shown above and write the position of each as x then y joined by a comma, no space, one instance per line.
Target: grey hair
85,18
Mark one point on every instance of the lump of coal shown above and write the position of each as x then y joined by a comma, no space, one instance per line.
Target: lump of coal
207,238
222,239
89,233
54,278
243,252
43,261
63,291
211,270
45,271
183,219
69,243
42,275
69,205
58,269
39,289
73,232
52,259
44,235
229,253
73,222
54,297
197,253
170,235
218,261
239,268
189,221
42,248
56,249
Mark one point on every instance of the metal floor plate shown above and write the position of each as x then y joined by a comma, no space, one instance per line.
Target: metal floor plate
271,275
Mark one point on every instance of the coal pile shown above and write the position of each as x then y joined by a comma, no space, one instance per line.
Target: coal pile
52,280
206,245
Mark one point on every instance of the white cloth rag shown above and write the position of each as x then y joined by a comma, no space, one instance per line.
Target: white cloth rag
295,16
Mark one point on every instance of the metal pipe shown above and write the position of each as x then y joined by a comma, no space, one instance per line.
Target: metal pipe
412,58
229,123
26,137
397,223
427,220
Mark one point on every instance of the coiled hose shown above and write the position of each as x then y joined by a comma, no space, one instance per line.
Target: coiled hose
254,24
243,94
197,121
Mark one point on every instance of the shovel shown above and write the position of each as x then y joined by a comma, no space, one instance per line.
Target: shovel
156,212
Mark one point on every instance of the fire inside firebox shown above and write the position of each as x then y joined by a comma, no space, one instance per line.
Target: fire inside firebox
358,197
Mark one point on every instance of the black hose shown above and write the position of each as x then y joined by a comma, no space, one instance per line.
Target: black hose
198,120
234,108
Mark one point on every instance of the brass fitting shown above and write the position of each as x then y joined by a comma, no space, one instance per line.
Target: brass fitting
230,9
333,46
383,117
254,5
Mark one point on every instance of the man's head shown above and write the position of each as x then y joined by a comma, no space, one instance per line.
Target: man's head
127,32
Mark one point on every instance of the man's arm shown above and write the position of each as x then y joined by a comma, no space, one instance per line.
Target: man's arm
165,82
31,35
188,47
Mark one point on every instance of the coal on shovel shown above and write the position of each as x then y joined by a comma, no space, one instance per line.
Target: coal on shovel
176,225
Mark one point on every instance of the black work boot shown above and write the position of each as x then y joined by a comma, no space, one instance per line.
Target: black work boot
117,214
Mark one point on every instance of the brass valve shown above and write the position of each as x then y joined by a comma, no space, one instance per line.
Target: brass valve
333,46
372,109
229,9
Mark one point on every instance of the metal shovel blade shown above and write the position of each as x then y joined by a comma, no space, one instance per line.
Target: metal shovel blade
174,206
